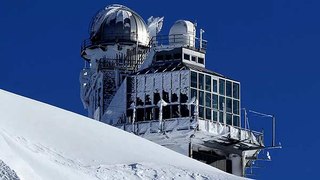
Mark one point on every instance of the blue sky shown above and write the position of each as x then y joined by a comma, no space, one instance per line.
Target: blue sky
271,47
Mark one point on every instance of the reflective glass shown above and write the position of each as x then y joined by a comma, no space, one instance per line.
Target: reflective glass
236,90
208,99
236,107
208,114
221,102
208,83
201,81
221,86
201,98
215,85
229,88
229,119
194,79
214,101
229,105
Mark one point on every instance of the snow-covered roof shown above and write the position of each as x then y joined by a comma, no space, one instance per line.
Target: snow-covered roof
175,66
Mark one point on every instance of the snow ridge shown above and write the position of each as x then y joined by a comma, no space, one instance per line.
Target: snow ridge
134,171
39,141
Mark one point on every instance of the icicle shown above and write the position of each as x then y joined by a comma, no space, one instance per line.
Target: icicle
133,115
160,104
194,101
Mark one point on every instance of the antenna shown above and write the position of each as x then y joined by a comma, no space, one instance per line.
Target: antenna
201,32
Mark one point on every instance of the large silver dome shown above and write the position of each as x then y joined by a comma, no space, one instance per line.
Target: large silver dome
117,23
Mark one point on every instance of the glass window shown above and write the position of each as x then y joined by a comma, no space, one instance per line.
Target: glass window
214,101
236,121
236,90
194,93
215,115
156,112
166,112
208,114
215,85
200,60
156,98
175,111
140,114
147,100
184,111
201,112
221,86
221,102
159,57
229,105
129,115
221,117
165,96
229,88
177,56
139,102
201,81
168,57
229,119
194,79
174,97
183,98
193,58
208,83
149,114
236,107
208,99
186,57
201,98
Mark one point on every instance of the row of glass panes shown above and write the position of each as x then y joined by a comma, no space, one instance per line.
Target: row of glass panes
193,58
211,100
210,84
166,57
213,115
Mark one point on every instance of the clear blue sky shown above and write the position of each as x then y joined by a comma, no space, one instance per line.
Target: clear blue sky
272,47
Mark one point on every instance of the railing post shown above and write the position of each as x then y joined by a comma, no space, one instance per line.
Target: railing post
273,131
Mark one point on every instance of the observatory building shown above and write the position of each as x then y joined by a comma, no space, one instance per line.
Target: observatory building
158,87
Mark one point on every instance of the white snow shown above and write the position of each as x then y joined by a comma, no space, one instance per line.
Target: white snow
39,141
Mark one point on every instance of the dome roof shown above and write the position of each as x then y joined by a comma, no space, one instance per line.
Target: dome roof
183,32
182,27
117,23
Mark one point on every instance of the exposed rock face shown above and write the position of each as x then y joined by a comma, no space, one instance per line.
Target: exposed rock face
6,173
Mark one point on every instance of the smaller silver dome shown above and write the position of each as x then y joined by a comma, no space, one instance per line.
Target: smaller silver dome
183,32
117,23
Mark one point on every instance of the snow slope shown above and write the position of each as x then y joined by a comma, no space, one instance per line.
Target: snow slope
39,141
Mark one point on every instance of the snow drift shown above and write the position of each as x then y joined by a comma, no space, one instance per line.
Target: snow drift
39,141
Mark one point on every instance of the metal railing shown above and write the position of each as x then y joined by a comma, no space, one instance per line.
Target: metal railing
154,126
131,61
130,38
232,132
183,40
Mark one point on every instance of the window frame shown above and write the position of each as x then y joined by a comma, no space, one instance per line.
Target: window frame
186,56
